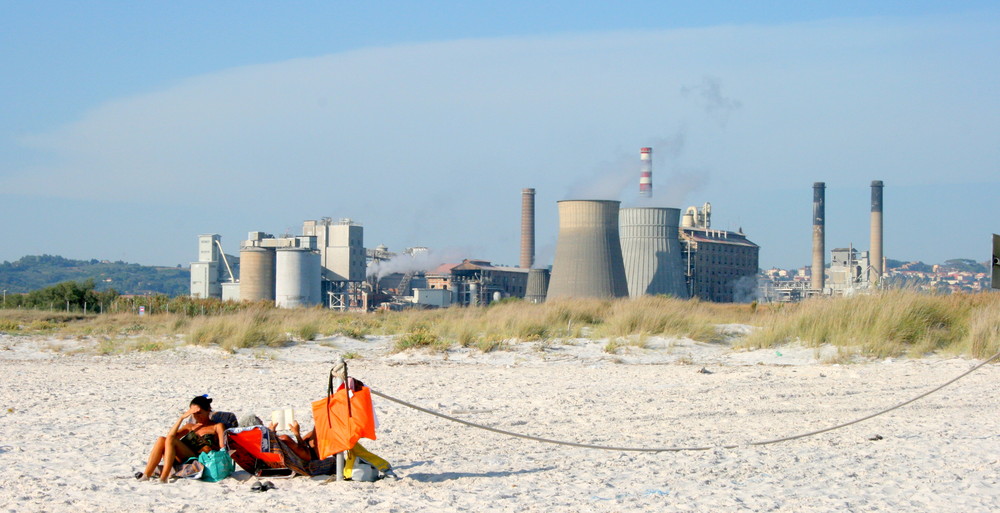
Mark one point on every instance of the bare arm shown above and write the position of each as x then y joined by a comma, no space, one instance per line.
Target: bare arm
177,425
220,434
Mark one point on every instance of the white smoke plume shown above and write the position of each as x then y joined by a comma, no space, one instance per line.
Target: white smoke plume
717,106
420,261
609,181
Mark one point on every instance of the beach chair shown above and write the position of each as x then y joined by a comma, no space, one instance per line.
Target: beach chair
257,450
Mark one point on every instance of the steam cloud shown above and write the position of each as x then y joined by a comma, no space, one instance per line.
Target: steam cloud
421,261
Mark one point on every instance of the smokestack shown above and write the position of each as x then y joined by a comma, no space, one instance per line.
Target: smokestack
819,237
875,257
646,173
588,259
527,228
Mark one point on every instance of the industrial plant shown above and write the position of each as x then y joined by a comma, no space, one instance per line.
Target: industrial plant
602,251
850,271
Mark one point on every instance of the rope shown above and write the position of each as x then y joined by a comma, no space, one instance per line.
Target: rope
680,449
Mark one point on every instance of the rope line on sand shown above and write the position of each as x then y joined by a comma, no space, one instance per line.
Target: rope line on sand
680,449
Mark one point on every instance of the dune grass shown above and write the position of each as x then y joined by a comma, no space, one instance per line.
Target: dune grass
886,324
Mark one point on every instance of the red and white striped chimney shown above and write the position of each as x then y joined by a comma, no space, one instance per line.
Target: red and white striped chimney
646,176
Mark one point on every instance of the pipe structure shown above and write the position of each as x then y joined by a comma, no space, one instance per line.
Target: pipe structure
527,228
875,274
646,173
819,236
588,260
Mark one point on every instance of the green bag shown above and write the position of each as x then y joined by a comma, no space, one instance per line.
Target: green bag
218,465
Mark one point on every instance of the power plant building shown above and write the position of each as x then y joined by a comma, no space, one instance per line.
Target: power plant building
716,260
478,282
212,265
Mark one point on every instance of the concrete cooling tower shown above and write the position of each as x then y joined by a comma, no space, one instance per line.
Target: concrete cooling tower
588,260
651,250
538,284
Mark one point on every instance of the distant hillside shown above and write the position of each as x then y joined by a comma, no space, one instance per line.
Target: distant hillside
37,272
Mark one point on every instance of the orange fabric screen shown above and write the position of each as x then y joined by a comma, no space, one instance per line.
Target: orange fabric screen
335,432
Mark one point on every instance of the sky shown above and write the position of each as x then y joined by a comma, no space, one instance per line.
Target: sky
129,128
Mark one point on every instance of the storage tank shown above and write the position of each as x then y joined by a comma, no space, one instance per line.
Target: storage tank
538,285
257,274
297,280
588,260
651,251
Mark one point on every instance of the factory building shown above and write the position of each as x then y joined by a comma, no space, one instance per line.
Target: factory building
478,282
213,269
716,260
849,270
324,266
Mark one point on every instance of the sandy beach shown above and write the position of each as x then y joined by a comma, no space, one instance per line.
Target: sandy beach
75,426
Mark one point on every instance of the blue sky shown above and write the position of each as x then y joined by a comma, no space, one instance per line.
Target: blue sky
128,128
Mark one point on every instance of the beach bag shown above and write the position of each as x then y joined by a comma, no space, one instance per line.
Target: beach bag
341,419
218,465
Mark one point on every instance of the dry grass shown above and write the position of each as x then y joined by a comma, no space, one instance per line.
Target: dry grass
887,324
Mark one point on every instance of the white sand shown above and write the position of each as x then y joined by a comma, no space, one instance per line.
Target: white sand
74,427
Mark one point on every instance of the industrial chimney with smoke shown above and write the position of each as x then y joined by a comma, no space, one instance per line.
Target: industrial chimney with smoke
875,257
646,173
527,228
588,261
819,237
651,250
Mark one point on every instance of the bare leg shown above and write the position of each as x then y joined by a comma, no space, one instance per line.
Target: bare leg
155,455
173,450
299,450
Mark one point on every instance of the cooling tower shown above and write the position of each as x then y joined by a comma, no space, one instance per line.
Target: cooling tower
651,251
876,233
538,285
588,259
257,274
297,278
819,236
527,228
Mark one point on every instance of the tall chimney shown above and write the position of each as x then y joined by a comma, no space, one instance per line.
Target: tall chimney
875,257
646,173
527,228
819,237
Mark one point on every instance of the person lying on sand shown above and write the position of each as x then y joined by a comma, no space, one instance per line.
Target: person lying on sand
187,441
303,447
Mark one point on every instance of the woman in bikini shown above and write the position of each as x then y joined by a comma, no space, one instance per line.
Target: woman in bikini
187,440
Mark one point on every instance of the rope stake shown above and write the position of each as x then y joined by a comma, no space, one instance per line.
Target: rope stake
681,449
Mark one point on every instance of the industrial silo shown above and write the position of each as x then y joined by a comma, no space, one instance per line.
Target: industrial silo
257,274
651,251
297,279
538,285
588,259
